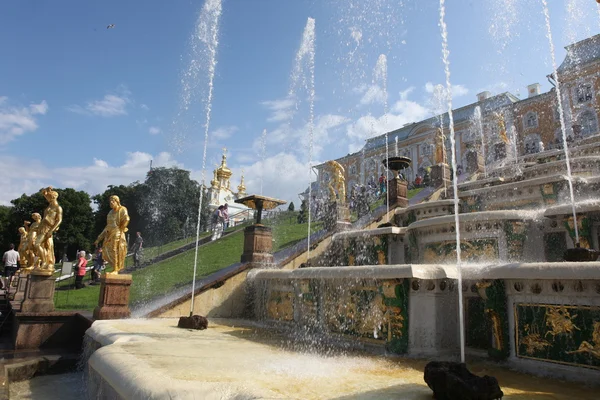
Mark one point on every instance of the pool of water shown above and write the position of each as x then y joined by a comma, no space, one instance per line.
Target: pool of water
50,387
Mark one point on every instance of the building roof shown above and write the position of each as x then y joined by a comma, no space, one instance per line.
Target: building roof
581,53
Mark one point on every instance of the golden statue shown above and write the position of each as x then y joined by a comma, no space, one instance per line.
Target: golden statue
496,329
592,347
31,237
23,248
440,147
43,248
114,244
337,182
501,127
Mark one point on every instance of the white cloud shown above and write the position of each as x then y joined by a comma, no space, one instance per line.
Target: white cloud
144,107
224,132
457,90
373,94
281,109
111,105
29,175
402,112
17,120
154,130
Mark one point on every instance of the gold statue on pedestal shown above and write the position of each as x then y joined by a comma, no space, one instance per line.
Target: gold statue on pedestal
114,246
43,243
337,182
440,147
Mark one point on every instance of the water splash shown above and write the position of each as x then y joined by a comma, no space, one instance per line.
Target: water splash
479,126
396,139
445,57
263,143
380,77
303,73
207,40
503,27
561,115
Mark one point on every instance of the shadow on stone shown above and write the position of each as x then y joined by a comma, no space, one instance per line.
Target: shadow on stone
453,381
194,322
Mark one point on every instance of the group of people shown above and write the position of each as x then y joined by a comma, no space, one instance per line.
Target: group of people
220,221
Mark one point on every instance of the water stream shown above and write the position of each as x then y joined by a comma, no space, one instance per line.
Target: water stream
206,40
445,57
479,125
562,116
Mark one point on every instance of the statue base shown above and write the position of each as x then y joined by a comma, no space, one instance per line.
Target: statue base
337,218
39,292
114,297
398,192
19,294
258,245
440,175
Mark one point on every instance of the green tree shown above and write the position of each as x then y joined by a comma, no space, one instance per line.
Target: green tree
291,207
6,237
303,214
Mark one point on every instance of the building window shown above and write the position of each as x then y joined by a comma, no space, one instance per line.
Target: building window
499,151
589,123
532,144
531,120
584,93
426,149
353,169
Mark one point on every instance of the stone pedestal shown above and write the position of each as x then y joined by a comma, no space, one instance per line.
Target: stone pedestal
39,293
19,294
439,174
337,218
474,162
398,192
114,297
258,245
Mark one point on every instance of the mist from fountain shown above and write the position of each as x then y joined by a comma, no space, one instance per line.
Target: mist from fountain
479,126
380,77
206,41
445,57
561,115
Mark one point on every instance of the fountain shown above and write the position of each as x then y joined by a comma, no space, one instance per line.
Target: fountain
480,275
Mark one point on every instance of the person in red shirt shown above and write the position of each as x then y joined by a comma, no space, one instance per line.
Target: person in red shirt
80,270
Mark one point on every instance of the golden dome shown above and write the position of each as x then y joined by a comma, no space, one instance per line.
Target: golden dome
223,172
241,187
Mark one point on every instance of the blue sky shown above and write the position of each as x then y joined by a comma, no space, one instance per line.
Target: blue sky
85,106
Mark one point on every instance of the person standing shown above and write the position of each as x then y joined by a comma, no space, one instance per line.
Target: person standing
98,264
225,213
217,221
136,248
80,271
10,259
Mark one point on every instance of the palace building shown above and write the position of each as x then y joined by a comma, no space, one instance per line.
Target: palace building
531,125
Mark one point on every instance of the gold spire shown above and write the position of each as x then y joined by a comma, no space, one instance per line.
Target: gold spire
223,172
242,187
215,182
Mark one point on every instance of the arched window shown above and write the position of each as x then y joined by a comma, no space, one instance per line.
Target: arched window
531,120
589,123
532,144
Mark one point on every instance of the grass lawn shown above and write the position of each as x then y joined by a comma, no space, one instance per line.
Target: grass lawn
163,277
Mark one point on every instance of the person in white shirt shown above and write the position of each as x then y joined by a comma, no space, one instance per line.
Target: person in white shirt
11,260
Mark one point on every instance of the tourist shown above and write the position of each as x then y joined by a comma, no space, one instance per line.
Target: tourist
10,260
136,248
225,213
80,270
98,265
217,222
382,182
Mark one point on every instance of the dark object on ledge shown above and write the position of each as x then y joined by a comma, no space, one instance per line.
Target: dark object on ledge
385,225
453,381
194,322
579,253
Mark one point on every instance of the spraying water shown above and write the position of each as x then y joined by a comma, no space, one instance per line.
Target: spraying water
479,126
304,71
396,138
263,143
206,38
380,77
445,55
562,116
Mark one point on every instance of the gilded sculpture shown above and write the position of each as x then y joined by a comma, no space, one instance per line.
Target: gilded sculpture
337,182
496,329
23,248
501,127
533,341
559,320
43,243
440,147
587,347
114,243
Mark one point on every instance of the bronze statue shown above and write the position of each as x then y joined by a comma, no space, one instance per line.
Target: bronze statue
337,182
43,247
113,236
440,147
